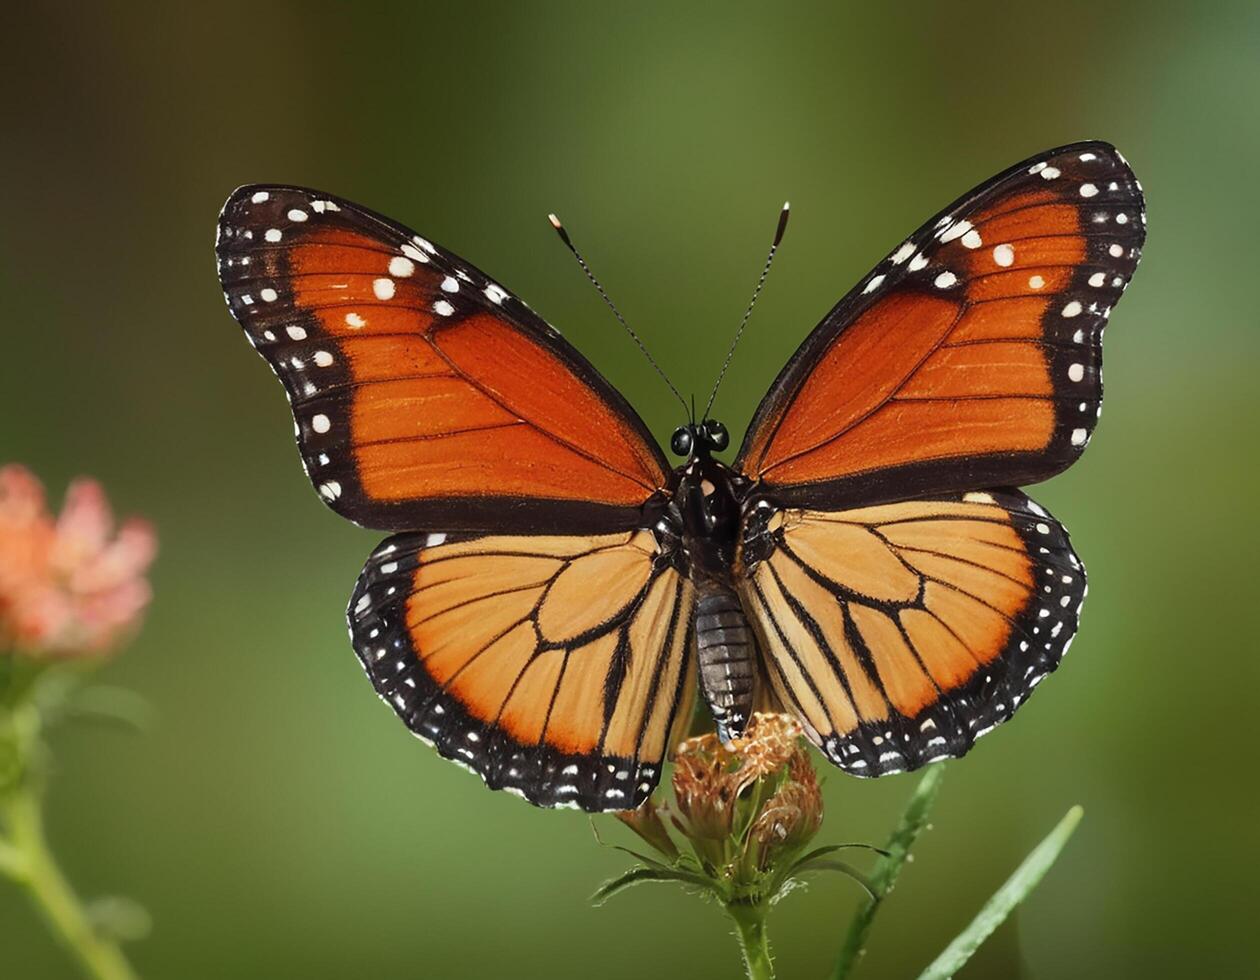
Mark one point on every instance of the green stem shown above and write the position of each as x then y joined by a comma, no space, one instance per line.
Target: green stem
881,881
754,941
29,861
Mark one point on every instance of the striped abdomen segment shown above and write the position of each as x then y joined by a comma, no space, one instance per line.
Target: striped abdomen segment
727,658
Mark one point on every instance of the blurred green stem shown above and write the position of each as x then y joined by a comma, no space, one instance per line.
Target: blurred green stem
25,857
750,920
913,822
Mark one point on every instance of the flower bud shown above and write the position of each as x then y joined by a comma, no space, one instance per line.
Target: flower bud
792,816
646,822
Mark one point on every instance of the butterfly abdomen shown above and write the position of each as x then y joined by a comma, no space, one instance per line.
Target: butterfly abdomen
727,658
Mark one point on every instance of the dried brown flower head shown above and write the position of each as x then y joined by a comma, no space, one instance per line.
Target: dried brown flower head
747,811
710,778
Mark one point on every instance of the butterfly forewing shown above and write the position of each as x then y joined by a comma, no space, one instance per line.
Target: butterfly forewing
971,356
900,633
425,394
553,666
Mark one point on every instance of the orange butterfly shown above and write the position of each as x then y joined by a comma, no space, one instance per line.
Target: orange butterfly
558,591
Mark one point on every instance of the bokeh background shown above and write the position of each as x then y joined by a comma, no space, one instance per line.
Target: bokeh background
279,821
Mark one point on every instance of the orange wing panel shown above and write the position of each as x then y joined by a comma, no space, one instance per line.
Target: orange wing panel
532,384
902,331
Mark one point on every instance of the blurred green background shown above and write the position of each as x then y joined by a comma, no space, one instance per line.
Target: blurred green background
279,821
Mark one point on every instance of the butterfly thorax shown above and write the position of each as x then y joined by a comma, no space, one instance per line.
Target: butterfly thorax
708,497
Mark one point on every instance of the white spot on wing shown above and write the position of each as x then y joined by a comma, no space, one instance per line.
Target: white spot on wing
902,253
401,266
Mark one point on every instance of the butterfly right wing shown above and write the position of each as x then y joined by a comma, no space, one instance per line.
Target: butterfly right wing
971,356
553,666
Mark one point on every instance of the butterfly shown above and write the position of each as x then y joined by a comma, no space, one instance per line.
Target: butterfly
556,592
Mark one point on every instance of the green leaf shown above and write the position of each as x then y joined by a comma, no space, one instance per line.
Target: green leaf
913,820
637,876
832,848
651,862
823,864
112,706
121,919
1015,890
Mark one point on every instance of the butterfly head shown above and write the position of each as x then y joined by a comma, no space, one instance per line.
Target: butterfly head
698,440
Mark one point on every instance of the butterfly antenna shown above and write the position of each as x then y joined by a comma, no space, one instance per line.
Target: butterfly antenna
564,237
774,247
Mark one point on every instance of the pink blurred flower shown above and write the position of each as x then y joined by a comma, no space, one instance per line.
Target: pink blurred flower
69,585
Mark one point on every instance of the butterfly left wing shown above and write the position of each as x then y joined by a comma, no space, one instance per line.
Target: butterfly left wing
424,394
972,355
552,666
900,633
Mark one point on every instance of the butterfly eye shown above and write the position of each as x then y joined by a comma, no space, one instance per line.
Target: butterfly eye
715,434
680,442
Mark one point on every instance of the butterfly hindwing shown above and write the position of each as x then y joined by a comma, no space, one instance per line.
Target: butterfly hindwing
971,356
553,666
901,633
425,394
